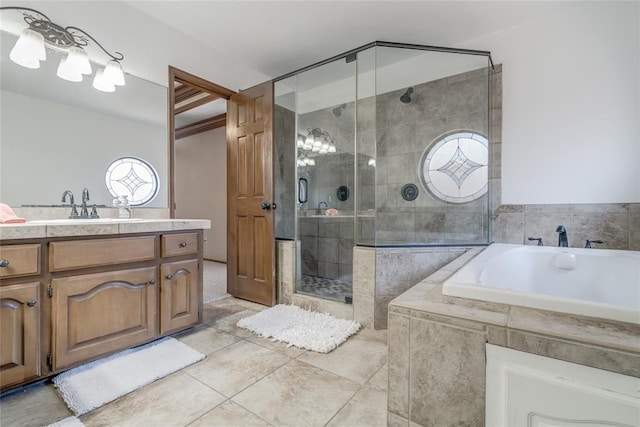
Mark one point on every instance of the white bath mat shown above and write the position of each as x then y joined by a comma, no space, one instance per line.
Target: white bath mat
319,332
92,385
68,422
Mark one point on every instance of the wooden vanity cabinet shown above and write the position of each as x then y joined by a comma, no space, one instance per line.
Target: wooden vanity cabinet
69,300
20,311
98,314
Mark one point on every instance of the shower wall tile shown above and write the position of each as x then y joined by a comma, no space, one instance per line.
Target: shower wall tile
400,139
430,98
474,121
328,270
328,227
345,251
634,208
402,169
427,130
328,249
465,227
495,167
307,227
603,208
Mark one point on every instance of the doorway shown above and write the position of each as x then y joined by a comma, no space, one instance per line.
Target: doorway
197,129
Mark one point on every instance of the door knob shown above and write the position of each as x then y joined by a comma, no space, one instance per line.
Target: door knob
265,206
169,276
152,281
32,303
4,263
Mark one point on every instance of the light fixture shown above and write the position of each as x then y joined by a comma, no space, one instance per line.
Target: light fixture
29,50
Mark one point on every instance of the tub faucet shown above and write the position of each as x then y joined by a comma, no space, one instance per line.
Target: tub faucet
563,242
74,211
319,210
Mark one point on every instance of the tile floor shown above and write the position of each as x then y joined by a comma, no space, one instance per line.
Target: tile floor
245,380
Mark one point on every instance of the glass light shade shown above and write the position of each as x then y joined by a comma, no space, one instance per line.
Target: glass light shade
67,72
317,143
312,162
315,149
307,147
323,151
309,140
113,71
306,161
78,60
325,145
29,49
371,162
332,148
300,141
102,84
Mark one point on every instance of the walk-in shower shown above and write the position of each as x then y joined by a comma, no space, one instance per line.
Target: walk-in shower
383,146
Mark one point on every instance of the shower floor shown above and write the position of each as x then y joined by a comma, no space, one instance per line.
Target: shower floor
334,289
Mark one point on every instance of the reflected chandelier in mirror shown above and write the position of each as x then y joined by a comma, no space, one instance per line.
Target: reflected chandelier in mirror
29,50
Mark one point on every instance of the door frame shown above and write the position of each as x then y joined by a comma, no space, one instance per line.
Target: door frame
176,74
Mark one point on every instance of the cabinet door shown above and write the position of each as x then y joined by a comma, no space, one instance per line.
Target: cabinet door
179,295
97,314
19,324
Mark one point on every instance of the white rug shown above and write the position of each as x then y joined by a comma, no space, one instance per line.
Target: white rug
92,385
319,332
68,422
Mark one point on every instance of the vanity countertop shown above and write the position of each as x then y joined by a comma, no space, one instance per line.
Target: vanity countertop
63,228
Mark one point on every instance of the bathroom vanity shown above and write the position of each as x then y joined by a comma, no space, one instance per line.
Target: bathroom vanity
74,291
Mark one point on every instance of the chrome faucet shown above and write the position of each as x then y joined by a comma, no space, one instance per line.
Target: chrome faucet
74,211
563,242
538,239
84,213
319,210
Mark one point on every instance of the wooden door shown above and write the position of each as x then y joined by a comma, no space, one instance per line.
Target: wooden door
178,295
250,220
19,320
97,314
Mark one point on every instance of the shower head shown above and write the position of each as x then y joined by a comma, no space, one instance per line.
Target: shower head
338,110
406,97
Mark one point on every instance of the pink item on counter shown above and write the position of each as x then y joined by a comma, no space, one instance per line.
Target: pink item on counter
331,212
8,216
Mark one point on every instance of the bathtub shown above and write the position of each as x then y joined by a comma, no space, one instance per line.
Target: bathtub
601,283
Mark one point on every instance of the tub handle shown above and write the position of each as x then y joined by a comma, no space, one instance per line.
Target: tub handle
589,242
539,239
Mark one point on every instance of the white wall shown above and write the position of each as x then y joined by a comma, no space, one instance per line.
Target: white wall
571,91
41,159
201,186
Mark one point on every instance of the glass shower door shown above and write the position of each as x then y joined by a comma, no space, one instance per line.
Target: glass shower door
325,123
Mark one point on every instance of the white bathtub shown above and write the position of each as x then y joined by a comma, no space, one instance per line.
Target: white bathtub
605,283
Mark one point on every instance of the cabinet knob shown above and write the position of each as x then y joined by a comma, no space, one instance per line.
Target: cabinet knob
4,263
32,303
152,281
183,245
169,276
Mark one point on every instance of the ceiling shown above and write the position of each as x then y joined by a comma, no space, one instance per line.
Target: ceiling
277,37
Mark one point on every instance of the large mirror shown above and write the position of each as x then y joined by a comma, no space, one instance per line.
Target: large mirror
57,135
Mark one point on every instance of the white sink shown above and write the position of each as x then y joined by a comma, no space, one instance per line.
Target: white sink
82,221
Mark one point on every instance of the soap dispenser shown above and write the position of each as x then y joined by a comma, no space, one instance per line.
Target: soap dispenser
125,208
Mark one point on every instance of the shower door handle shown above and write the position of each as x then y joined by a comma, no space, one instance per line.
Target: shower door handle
266,206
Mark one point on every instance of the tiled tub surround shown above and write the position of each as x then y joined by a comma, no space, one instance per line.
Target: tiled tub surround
617,224
437,348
